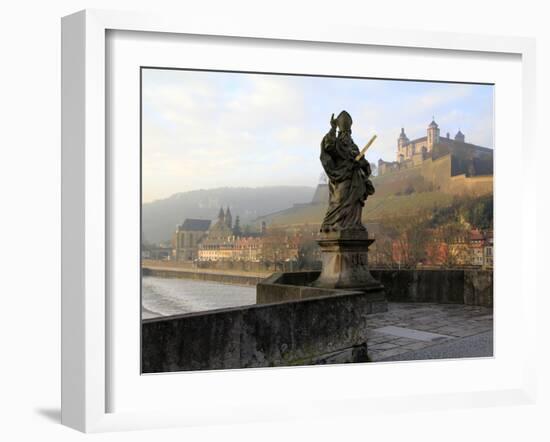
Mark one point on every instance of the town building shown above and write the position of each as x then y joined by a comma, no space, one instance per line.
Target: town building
233,249
488,251
477,246
225,242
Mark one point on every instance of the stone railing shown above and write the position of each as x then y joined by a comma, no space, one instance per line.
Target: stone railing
202,275
324,330
470,287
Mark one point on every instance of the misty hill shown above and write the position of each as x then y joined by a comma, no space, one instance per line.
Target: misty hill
160,218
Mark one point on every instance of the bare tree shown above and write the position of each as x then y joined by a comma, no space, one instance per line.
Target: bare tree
275,246
457,240
409,238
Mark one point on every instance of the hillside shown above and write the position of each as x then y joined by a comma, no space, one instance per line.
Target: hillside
427,186
160,218
376,208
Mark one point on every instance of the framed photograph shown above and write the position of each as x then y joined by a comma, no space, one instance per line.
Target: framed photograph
253,218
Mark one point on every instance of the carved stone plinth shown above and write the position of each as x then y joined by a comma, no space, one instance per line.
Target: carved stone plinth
345,262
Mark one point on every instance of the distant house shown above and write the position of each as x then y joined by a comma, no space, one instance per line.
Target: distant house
187,237
477,243
488,251
233,249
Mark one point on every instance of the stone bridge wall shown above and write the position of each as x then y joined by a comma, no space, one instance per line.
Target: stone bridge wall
287,333
202,276
471,287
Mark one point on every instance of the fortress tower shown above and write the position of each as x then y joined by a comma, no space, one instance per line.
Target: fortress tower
433,135
459,137
465,158
402,142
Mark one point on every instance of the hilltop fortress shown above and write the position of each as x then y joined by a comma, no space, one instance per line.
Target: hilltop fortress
430,171
436,163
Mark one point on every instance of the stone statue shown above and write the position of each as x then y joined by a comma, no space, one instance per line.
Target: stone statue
345,242
349,183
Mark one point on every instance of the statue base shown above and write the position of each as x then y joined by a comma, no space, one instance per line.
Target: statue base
345,262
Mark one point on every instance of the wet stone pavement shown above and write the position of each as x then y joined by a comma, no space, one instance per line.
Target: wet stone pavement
407,328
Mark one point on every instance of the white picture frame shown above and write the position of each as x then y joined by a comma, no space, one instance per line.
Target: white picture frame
86,202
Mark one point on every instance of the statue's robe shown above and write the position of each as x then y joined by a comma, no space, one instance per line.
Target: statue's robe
349,185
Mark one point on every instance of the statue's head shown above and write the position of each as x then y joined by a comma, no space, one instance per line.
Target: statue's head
344,121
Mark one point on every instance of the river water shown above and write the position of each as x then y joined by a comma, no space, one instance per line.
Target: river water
173,296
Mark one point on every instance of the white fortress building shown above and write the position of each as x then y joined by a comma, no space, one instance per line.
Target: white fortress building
432,146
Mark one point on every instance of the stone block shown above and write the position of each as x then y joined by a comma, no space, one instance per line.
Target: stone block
345,261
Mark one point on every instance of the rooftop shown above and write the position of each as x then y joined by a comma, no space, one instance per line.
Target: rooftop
193,224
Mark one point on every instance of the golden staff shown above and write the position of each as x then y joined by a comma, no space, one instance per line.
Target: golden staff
360,155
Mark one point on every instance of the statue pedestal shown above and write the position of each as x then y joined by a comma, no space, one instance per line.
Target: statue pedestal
345,262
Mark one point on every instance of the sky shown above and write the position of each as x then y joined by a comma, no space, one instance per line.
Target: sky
203,130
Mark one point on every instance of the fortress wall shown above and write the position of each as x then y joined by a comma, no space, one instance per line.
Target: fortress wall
417,159
392,183
437,172
428,175
477,185
433,175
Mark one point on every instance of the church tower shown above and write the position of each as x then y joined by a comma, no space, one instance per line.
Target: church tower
433,135
228,218
221,216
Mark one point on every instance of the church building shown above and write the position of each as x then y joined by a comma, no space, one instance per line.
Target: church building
186,238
